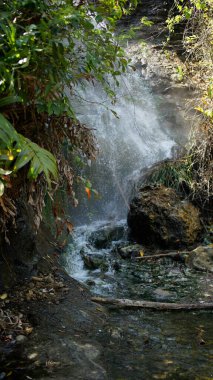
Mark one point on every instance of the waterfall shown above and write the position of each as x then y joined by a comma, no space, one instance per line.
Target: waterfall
139,136
145,131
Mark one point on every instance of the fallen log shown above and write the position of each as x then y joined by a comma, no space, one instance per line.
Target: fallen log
136,304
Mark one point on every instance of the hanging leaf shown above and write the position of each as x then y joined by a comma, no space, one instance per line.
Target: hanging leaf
8,100
69,226
8,134
1,188
40,160
88,191
5,172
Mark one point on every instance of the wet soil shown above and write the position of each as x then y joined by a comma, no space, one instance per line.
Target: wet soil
50,330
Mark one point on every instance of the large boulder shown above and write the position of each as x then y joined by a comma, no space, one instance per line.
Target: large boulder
158,215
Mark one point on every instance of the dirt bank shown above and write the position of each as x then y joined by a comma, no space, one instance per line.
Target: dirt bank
49,329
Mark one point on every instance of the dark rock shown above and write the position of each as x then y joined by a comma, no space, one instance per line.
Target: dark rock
144,63
116,266
159,216
103,237
94,261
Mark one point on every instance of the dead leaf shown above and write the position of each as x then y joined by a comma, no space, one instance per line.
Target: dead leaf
69,226
141,253
38,279
28,330
88,191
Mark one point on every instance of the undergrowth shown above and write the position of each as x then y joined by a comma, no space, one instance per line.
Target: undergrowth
47,49
195,169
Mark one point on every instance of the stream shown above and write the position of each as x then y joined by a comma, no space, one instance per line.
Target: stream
138,344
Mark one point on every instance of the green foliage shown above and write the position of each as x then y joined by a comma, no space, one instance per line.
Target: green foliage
16,151
174,174
47,48
187,10
196,20
180,73
146,22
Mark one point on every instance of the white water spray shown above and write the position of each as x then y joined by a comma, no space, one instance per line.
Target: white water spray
135,140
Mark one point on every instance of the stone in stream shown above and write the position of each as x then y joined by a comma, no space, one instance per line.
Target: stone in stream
201,258
159,216
162,294
130,251
94,261
103,237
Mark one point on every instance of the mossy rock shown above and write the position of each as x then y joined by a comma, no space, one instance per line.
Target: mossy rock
159,216
201,258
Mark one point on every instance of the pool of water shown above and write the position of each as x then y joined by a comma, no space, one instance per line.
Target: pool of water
150,344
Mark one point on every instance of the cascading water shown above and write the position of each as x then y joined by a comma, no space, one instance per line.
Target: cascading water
137,344
139,136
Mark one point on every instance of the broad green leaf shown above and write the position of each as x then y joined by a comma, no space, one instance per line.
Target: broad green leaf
39,158
23,158
8,134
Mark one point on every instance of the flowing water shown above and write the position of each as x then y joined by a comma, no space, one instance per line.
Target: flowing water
138,344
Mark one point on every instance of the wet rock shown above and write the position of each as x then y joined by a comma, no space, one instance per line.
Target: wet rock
91,351
32,356
201,258
21,339
116,266
159,216
130,251
162,294
116,333
144,63
103,237
94,261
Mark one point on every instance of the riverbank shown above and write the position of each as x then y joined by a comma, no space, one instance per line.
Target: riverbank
48,330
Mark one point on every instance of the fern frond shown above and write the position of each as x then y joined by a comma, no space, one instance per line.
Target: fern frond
40,159
8,100
8,134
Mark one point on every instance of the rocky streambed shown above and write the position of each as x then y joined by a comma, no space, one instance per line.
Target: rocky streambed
142,343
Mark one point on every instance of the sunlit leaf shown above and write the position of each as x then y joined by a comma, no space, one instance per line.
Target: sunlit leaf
5,172
3,296
1,188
